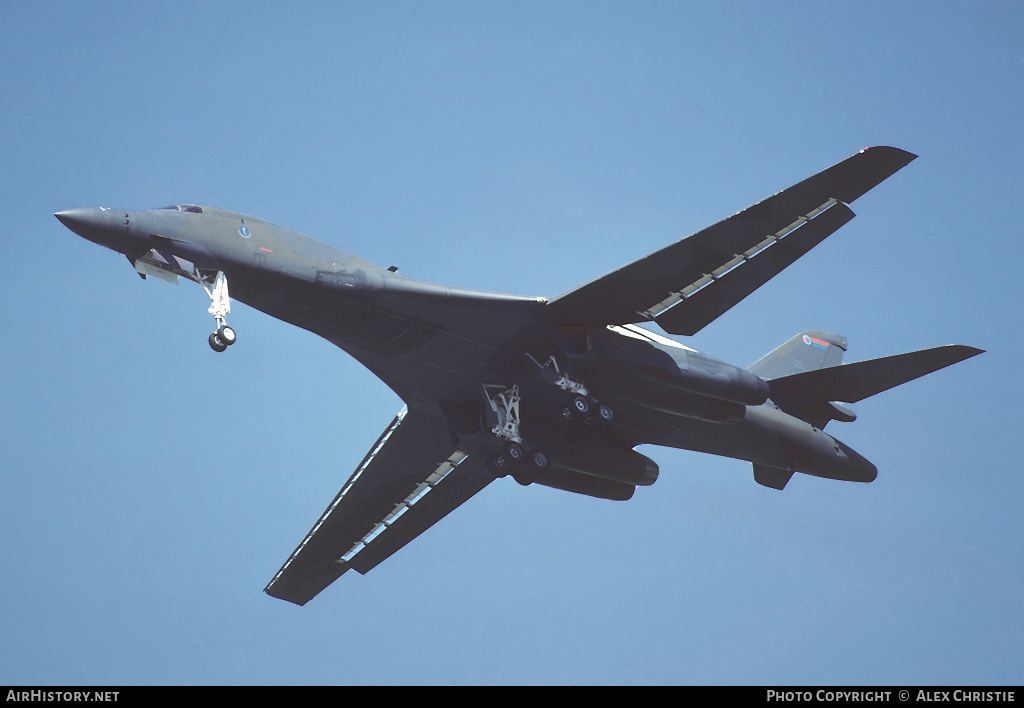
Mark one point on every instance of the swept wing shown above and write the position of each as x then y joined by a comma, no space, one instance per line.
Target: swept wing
687,285
411,478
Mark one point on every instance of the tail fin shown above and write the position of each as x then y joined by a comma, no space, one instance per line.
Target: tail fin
806,374
806,377
807,351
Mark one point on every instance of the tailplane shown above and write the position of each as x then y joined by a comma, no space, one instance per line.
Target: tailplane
806,378
855,382
806,374
771,477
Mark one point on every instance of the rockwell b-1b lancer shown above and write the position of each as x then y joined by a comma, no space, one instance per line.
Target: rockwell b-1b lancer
556,392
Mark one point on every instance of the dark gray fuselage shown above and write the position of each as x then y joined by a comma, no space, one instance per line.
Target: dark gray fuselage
436,345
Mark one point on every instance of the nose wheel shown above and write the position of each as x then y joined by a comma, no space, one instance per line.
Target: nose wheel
224,337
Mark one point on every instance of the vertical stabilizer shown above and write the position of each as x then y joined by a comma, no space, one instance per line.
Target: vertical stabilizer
807,351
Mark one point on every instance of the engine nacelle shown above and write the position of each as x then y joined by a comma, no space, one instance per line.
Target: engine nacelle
609,357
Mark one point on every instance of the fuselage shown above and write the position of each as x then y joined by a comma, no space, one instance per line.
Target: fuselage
436,346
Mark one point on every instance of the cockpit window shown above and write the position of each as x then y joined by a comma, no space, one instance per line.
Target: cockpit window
185,207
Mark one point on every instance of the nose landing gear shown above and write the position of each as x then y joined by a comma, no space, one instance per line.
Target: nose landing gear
220,307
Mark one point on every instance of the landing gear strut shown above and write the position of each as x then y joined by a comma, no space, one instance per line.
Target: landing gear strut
513,458
218,292
516,456
581,403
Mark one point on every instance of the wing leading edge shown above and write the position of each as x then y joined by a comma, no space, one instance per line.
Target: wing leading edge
687,285
412,477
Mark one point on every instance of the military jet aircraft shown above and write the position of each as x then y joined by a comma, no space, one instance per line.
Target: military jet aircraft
556,392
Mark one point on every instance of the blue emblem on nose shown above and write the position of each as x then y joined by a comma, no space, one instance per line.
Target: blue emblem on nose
243,231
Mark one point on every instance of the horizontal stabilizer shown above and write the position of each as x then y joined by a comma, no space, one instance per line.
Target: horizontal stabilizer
850,383
771,477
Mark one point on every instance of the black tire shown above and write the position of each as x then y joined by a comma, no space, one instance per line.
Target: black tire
605,412
580,404
514,452
215,343
538,460
498,465
227,335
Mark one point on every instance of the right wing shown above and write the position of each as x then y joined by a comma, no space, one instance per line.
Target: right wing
687,285
411,478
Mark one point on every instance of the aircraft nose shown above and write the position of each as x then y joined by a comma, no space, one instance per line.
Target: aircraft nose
102,226
80,219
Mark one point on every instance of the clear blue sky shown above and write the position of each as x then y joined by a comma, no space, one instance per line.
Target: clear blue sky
151,488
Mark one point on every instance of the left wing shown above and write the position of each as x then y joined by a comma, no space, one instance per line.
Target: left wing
685,286
411,478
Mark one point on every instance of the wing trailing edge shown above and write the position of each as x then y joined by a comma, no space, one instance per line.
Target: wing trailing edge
412,477
706,301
